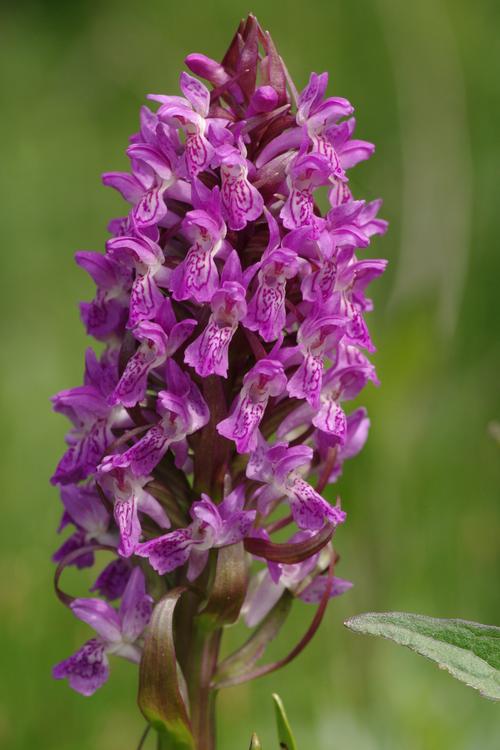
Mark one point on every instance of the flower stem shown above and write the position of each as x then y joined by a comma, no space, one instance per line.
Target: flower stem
205,650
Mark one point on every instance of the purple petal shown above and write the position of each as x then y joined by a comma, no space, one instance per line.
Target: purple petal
298,210
208,354
147,452
311,96
83,456
290,139
236,528
197,561
145,300
267,378
127,520
137,251
261,600
152,157
207,68
309,509
358,425
74,542
86,670
264,99
103,318
207,512
354,152
152,508
266,310
315,591
306,381
100,616
136,606
332,419
199,154
179,333
196,277
85,508
99,267
126,184
112,580
196,92
151,208
151,353
242,201
168,552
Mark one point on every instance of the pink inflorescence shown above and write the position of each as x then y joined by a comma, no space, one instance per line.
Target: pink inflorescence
232,314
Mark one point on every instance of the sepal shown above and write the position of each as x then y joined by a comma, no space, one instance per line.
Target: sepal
290,552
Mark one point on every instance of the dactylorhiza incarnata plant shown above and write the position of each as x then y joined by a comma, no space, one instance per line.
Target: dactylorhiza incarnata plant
232,317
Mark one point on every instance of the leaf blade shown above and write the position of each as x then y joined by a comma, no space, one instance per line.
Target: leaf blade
469,651
160,697
285,734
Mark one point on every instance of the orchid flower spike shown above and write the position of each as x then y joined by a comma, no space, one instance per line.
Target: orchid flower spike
231,320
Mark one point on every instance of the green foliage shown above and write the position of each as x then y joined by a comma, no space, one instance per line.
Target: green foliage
160,698
469,651
286,739
285,736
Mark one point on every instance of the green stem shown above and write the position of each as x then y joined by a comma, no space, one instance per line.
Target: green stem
202,664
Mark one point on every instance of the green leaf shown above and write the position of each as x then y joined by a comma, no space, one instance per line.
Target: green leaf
285,736
160,698
467,650
255,743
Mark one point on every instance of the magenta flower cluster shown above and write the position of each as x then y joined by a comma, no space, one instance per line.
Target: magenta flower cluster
232,317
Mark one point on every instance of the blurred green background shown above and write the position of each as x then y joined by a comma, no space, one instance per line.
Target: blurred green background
422,499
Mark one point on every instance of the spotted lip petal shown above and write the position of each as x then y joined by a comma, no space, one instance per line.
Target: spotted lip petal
86,670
